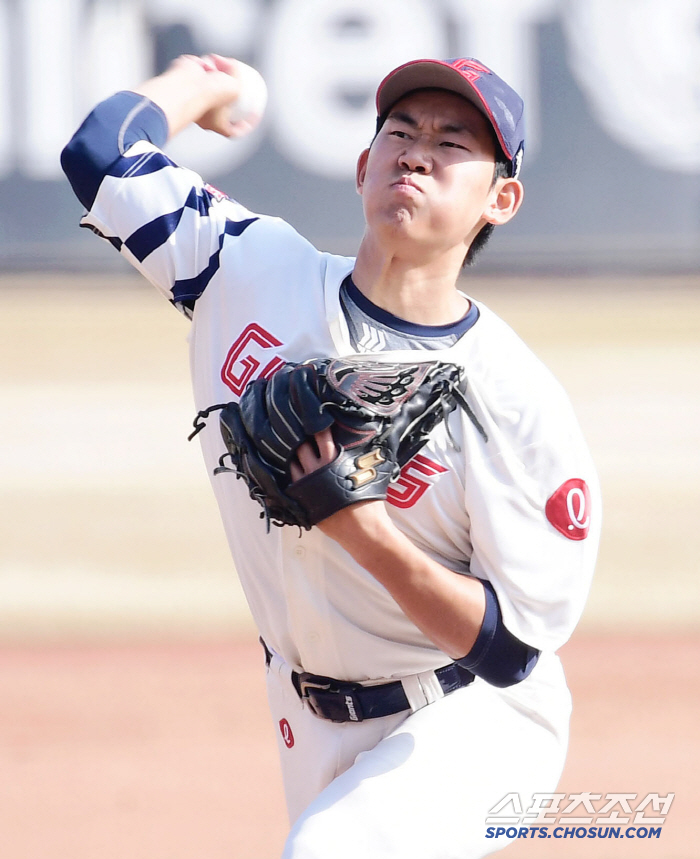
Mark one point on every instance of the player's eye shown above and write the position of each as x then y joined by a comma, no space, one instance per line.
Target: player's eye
402,135
451,144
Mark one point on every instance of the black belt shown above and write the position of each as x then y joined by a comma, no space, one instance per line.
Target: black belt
340,701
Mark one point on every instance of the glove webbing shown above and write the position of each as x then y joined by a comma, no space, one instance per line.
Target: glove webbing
200,420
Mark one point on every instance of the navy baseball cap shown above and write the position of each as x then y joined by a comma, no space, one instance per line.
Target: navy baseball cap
467,77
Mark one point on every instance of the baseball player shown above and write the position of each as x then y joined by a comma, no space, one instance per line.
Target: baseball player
410,642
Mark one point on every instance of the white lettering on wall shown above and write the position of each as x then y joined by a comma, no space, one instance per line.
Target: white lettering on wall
46,63
323,61
118,50
638,62
227,27
502,34
6,125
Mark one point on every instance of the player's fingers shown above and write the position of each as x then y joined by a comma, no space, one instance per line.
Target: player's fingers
224,64
307,458
208,63
218,120
312,455
185,59
296,471
327,450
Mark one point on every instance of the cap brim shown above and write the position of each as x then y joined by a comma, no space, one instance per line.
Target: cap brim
425,74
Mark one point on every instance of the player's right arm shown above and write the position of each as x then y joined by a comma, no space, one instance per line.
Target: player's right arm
163,218
195,89
192,89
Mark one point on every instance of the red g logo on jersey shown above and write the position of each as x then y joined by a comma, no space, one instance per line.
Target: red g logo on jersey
569,509
287,735
241,362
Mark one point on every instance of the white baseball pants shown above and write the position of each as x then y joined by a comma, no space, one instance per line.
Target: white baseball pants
410,787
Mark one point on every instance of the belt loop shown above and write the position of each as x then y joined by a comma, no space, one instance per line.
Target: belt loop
422,689
431,686
268,652
276,664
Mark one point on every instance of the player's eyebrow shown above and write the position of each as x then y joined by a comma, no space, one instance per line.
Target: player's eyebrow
447,128
406,118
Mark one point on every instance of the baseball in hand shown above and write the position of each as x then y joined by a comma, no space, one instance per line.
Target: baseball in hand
249,107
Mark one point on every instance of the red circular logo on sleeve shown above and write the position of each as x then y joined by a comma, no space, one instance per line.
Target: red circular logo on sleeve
287,735
569,509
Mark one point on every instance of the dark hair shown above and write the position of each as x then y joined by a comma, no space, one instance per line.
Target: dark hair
501,170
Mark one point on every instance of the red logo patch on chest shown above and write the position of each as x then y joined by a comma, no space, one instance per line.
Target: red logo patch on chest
246,355
287,735
569,509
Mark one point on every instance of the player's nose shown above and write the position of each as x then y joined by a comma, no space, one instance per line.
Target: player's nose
416,158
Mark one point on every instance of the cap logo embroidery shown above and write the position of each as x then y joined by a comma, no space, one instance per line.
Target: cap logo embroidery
472,70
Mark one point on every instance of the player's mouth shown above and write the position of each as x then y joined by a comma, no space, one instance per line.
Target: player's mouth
405,183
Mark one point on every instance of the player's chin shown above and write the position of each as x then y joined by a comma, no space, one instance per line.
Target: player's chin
416,227
406,220
406,227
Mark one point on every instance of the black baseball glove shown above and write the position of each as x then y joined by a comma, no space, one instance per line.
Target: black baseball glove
380,416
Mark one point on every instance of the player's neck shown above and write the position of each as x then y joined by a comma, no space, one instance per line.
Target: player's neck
425,292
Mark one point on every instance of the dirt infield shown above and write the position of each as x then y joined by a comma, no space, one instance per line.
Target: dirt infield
166,751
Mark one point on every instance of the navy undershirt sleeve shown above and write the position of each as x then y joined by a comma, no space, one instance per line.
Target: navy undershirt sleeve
497,655
105,135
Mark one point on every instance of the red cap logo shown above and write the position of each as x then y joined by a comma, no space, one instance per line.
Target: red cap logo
287,734
569,509
471,69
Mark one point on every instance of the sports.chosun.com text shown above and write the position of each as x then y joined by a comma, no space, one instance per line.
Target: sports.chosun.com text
573,832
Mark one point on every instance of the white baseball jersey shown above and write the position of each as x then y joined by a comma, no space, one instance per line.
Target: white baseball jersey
521,509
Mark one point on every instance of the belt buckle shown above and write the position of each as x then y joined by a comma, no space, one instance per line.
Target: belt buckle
342,702
312,681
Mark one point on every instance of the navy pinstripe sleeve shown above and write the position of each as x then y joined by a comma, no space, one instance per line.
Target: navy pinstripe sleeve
105,135
163,218
497,655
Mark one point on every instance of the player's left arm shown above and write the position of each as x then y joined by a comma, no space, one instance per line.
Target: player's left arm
447,607
534,508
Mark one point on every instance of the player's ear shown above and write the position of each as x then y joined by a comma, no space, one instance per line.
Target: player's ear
361,170
505,199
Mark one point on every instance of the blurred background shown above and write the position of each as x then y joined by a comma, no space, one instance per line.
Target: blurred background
132,715
612,162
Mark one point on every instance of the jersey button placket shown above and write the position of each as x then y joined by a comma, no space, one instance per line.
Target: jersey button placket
304,590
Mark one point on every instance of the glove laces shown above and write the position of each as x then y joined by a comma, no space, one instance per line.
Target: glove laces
200,420
459,395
